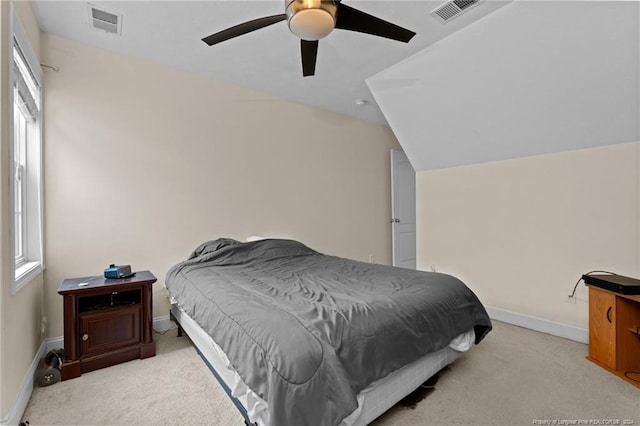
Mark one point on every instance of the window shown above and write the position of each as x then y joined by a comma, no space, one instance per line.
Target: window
27,162
19,190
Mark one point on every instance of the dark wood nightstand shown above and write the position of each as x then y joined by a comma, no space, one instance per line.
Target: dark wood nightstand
106,322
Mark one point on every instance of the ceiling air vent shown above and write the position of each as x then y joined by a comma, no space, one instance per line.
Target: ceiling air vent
451,9
103,20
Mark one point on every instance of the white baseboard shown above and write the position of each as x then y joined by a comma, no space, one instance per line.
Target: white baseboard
163,323
539,324
20,404
160,324
54,343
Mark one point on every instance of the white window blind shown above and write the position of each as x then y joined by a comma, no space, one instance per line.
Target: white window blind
26,85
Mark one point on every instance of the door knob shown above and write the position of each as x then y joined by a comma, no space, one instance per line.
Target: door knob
395,220
85,337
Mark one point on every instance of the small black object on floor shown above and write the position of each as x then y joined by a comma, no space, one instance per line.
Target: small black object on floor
411,401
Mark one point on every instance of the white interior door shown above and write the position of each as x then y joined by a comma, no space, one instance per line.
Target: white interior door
403,210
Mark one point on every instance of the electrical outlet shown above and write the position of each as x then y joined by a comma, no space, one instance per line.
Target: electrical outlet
43,325
370,258
570,299
165,292
433,267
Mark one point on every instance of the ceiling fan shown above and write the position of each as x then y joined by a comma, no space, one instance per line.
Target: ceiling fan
311,20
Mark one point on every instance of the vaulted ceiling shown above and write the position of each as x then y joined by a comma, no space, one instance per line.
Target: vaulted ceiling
503,80
535,77
268,60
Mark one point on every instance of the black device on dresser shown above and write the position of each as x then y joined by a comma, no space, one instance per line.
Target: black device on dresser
616,283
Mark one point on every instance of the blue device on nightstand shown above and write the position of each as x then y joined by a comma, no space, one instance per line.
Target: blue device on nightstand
121,271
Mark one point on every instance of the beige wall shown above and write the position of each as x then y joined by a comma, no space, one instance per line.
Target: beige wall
144,162
521,232
21,313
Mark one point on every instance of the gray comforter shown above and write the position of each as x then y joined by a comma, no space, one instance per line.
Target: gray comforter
307,331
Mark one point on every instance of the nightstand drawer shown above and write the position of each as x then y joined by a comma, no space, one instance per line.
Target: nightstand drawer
109,329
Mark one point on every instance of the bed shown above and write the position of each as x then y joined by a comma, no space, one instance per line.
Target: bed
297,337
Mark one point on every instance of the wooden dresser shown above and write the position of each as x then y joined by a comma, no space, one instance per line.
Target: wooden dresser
614,332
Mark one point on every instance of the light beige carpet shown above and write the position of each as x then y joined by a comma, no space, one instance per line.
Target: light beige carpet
515,376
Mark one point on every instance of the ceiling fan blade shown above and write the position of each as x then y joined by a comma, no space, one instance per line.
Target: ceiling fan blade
243,28
348,18
309,50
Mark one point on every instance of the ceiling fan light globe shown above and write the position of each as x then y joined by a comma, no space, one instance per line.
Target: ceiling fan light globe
311,24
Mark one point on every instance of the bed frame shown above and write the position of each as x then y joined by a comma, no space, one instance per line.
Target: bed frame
222,383
224,386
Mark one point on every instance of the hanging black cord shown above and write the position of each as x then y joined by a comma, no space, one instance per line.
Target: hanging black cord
573,293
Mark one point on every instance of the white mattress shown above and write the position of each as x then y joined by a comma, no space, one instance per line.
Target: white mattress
372,401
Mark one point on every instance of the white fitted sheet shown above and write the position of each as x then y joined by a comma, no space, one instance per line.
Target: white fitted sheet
374,400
